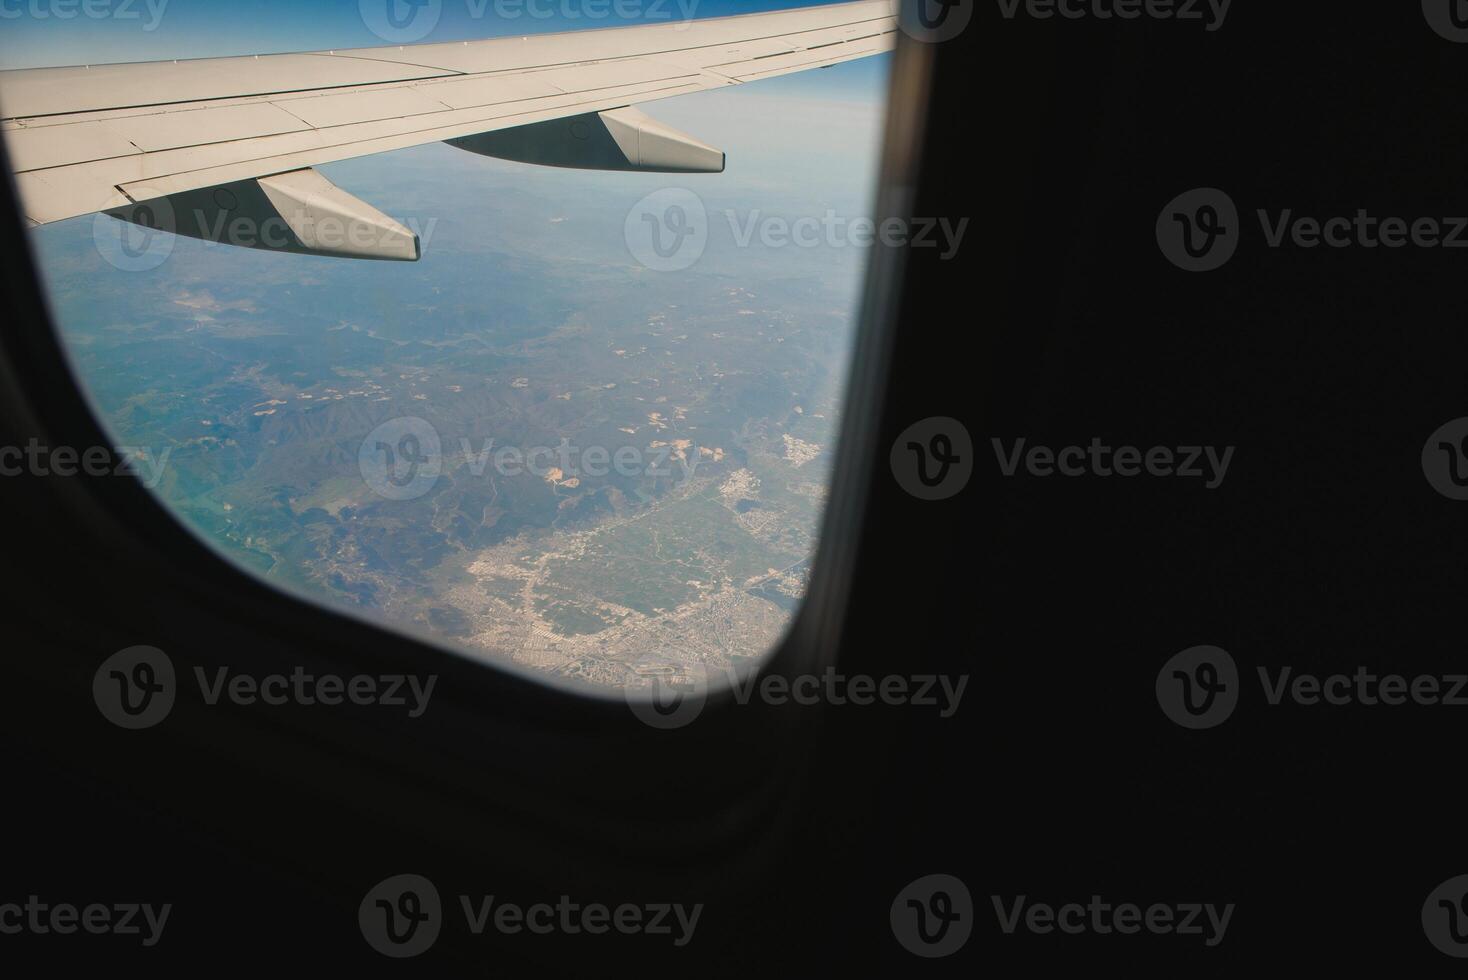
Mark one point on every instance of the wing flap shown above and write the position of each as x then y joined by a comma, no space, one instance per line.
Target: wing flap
53,195
588,78
202,127
55,146
326,111
469,93
750,71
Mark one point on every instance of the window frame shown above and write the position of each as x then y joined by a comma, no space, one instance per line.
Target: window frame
477,703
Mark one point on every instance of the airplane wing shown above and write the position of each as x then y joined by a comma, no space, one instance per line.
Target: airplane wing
190,146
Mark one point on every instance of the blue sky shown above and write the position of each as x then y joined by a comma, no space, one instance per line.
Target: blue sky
39,33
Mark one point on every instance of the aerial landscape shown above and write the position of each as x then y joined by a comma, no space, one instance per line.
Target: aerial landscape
528,446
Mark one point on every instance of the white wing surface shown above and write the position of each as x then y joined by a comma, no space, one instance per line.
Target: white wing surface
137,139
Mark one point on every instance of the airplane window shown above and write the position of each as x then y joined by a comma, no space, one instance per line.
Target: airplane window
539,353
